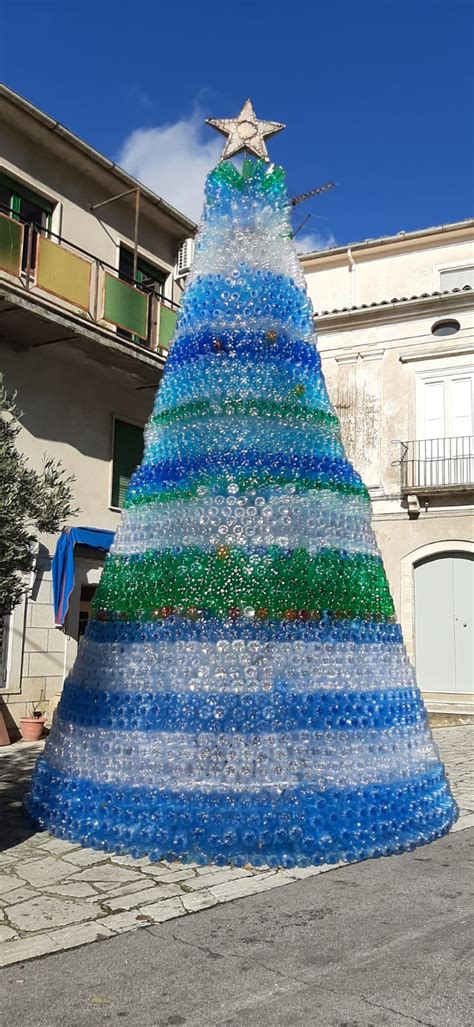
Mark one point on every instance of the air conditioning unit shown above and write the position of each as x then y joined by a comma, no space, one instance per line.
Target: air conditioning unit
185,258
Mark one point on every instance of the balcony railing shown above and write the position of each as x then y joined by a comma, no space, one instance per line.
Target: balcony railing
46,264
432,464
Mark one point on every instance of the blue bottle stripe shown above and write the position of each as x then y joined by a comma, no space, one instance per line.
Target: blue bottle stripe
247,345
296,826
151,478
257,293
276,711
211,629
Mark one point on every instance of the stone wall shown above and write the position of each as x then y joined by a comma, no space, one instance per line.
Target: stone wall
36,651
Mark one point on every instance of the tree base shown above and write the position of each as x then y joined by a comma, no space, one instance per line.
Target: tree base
286,827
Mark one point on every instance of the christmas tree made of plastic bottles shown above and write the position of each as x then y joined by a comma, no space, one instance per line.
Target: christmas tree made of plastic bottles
242,693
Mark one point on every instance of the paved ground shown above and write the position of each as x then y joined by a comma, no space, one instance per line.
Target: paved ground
56,896
384,943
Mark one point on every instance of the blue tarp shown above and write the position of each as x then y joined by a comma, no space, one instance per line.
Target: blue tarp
63,563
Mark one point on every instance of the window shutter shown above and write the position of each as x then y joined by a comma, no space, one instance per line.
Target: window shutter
461,406
128,453
457,277
15,205
434,410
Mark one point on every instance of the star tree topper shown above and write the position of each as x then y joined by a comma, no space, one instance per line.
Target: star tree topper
245,132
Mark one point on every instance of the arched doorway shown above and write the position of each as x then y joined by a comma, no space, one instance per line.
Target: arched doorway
444,643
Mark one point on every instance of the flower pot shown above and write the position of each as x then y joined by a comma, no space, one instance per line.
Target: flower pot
32,728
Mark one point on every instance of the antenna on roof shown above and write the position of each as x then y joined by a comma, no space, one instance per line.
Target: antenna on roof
312,192
301,225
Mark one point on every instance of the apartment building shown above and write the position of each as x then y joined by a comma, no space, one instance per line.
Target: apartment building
395,320
88,298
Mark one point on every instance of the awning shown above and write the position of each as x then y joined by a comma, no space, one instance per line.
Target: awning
63,563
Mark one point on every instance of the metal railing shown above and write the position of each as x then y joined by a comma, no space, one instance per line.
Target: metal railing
445,463
45,263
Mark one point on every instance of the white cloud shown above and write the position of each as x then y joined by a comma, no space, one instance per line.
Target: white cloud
308,242
173,160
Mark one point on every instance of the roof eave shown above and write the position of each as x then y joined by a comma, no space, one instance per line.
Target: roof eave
96,156
386,240
405,304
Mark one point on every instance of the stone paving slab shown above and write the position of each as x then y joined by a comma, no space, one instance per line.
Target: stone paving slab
55,895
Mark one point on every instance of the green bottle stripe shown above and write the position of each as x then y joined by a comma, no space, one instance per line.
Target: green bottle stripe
245,407
226,578
227,172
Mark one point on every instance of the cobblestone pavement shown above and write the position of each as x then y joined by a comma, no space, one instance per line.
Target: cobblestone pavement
55,895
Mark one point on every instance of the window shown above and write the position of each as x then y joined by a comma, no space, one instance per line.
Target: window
457,277
147,275
447,327
86,597
150,278
445,404
127,455
20,203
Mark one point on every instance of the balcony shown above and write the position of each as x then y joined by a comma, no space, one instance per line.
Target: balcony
47,267
437,465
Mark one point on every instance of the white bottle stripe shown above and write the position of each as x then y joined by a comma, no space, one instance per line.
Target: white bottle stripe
311,521
334,759
241,666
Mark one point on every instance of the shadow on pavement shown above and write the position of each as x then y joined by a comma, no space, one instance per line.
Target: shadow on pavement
16,767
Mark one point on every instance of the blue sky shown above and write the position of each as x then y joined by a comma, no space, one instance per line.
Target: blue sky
376,94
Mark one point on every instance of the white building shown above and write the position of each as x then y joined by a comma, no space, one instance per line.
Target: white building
395,320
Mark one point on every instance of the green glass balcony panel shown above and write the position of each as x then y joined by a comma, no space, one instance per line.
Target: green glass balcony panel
125,306
11,243
167,325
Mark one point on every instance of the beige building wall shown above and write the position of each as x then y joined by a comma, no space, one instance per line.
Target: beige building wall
377,271
69,405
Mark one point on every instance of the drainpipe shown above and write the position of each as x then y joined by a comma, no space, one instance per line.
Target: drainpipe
352,271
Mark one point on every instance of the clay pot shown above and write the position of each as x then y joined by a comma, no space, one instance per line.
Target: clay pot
32,728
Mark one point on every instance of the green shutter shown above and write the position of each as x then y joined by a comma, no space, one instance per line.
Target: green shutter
128,453
15,206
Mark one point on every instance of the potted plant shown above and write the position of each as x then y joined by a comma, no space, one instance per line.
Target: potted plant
32,727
